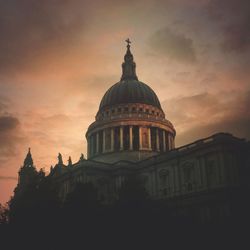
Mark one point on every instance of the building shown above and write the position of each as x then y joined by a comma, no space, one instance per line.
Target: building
130,135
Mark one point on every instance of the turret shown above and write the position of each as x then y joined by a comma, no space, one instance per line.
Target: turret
27,173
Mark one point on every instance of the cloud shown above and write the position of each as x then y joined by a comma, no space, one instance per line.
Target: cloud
234,20
11,136
205,114
31,30
8,178
8,123
235,126
173,45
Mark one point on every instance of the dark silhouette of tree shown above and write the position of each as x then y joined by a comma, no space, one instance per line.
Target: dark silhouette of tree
82,204
37,204
4,214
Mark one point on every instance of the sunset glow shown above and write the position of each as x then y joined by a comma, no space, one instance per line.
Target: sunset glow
59,57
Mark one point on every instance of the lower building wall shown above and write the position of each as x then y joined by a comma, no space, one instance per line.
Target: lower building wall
132,156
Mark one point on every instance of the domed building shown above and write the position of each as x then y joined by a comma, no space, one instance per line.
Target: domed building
131,136
130,123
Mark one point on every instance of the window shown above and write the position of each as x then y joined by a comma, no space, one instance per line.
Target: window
164,178
165,191
188,177
147,110
141,110
211,172
133,109
126,109
113,111
189,186
187,174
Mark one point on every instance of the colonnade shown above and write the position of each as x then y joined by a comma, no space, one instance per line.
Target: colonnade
129,137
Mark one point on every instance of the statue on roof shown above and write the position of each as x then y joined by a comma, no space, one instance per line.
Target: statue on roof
69,161
60,160
82,157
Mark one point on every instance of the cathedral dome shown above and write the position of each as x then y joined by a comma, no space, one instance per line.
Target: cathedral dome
129,91
130,124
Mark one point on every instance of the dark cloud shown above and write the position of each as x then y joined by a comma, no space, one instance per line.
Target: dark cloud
29,29
205,114
173,45
8,178
235,126
11,136
233,17
8,123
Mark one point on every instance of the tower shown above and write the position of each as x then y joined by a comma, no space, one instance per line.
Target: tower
130,123
27,173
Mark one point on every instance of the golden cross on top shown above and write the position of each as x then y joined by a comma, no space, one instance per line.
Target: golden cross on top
128,42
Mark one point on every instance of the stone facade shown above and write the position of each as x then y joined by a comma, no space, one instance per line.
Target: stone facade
212,163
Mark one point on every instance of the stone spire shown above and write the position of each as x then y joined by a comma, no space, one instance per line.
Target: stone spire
28,161
128,67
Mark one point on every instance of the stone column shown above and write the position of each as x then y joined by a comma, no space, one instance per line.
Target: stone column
92,145
164,140
112,139
157,140
88,146
121,138
222,167
149,139
97,142
130,137
173,143
169,142
140,139
202,165
103,141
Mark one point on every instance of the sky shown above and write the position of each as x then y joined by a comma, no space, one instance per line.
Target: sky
58,57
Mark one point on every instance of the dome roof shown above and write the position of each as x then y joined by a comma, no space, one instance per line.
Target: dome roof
129,91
